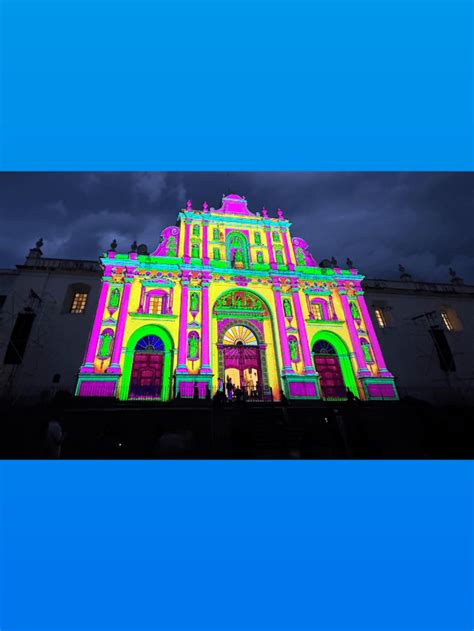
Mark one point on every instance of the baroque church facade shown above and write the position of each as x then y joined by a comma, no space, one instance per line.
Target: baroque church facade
230,297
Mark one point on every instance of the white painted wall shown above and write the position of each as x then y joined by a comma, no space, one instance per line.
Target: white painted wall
58,338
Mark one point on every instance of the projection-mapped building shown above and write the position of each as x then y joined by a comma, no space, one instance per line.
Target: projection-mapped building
230,300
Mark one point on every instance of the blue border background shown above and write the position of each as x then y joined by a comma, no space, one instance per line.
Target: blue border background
237,545
255,85
237,85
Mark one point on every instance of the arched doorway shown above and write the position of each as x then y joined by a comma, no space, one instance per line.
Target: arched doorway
146,381
328,367
244,331
242,363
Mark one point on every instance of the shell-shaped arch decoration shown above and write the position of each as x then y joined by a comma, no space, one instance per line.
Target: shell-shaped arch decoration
240,334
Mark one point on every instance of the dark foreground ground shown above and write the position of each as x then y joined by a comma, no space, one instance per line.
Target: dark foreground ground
101,429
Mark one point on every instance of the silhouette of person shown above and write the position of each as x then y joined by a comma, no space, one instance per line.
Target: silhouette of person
350,395
229,386
196,391
54,439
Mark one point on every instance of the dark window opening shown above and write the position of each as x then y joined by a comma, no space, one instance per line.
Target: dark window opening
19,338
445,355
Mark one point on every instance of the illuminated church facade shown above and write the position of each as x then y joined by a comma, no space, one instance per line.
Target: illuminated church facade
230,300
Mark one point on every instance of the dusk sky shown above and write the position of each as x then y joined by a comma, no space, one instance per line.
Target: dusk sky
423,220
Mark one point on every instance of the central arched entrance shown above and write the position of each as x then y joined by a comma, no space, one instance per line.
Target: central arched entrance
242,364
244,333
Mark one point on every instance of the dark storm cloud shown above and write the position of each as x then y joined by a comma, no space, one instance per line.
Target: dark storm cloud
423,220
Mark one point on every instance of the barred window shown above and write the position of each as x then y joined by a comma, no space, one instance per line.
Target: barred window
380,317
317,311
446,321
79,301
155,304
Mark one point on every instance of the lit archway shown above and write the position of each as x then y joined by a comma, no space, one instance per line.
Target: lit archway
244,333
242,360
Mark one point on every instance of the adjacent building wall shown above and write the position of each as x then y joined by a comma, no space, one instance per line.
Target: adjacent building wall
412,309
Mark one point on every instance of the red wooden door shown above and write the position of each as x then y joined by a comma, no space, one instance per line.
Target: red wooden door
330,376
147,376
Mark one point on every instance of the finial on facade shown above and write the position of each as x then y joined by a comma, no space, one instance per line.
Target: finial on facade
134,247
113,245
280,214
189,205
349,263
457,280
265,212
205,207
36,252
404,275
333,262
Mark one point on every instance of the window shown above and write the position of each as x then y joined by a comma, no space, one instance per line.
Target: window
19,338
258,238
217,254
79,301
195,230
279,258
276,237
446,321
195,251
75,298
215,234
155,304
317,311
259,257
380,317
445,355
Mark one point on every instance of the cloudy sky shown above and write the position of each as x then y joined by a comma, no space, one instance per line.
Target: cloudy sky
423,220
